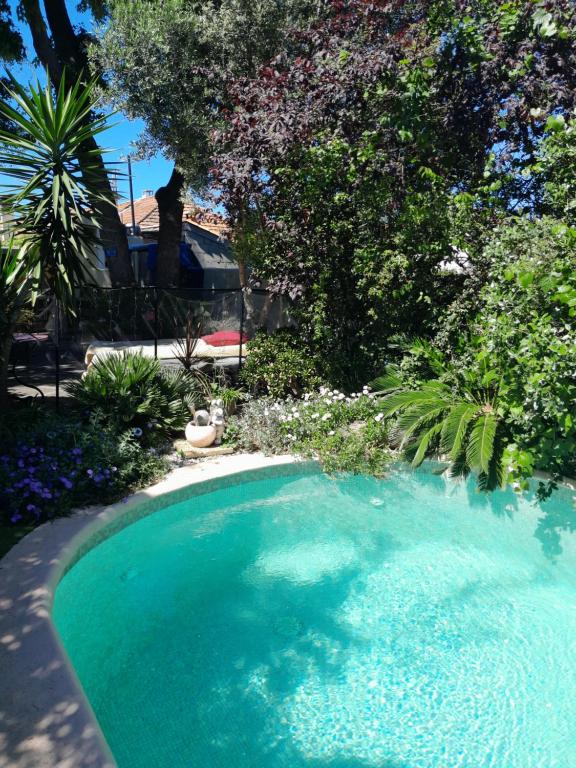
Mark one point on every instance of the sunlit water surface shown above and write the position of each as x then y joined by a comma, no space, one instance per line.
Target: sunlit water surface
303,622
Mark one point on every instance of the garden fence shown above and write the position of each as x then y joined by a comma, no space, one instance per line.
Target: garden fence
50,347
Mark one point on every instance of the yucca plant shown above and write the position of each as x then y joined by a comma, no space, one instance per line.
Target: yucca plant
134,392
461,422
56,180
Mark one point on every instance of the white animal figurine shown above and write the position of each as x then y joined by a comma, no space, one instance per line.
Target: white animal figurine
218,423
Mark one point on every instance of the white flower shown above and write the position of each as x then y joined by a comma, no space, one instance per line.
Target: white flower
331,432
266,412
315,415
307,396
326,416
379,417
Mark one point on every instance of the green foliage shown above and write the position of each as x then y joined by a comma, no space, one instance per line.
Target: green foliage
557,167
279,365
365,450
133,391
56,181
346,434
526,327
50,464
165,62
501,402
453,418
15,288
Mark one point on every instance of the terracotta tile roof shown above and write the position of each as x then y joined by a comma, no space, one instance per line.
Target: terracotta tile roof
146,216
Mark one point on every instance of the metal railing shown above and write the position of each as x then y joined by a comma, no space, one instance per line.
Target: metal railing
148,315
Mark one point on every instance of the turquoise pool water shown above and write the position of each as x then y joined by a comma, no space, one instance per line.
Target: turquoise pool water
303,622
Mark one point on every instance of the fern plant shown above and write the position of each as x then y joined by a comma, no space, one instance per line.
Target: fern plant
133,391
459,420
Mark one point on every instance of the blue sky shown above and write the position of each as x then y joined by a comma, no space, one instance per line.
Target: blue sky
146,174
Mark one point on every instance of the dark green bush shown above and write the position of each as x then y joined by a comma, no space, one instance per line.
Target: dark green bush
280,365
511,369
133,391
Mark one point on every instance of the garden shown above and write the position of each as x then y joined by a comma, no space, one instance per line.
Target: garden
404,178
396,185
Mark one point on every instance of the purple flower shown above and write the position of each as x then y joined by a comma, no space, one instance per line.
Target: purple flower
65,482
16,516
89,472
137,432
34,509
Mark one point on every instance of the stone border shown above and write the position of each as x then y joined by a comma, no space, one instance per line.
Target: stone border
45,719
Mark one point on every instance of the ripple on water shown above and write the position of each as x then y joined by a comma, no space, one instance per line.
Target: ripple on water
302,622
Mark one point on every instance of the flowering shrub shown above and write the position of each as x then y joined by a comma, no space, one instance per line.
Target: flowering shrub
63,464
345,432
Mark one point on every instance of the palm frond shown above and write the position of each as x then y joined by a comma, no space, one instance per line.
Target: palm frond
55,182
424,444
388,382
480,448
455,428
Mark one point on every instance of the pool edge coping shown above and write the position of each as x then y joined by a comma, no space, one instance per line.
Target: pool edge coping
45,719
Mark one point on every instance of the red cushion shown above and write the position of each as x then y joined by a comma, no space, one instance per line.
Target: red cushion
224,339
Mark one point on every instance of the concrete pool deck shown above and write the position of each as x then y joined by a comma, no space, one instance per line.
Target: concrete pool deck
45,719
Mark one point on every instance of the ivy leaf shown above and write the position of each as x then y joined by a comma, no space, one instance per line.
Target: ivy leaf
555,123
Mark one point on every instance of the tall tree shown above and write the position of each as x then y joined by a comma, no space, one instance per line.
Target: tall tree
363,141
58,45
166,62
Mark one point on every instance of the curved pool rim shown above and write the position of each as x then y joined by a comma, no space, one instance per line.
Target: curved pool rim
49,723
46,720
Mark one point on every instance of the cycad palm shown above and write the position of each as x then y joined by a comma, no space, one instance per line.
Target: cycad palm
464,425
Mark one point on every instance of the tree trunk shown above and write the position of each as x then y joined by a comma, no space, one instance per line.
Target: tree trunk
170,211
63,49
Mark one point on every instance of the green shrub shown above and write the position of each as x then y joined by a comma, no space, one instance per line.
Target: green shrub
133,391
511,373
343,433
55,462
279,365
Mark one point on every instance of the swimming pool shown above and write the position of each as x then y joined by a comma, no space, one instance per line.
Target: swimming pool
303,621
